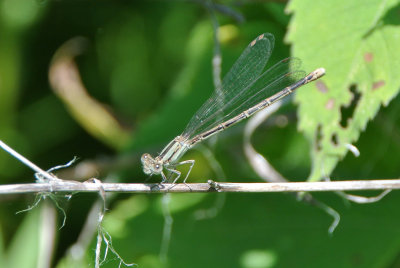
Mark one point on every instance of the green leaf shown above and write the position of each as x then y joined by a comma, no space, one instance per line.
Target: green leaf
2,253
357,43
23,250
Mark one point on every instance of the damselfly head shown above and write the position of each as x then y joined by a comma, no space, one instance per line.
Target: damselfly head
151,165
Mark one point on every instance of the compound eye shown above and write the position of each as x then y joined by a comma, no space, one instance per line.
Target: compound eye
145,157
158,167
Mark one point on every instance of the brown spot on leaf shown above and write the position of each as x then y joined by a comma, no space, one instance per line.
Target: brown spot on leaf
347,111
321,86
334,139
318,138
368,57
378,84
330,104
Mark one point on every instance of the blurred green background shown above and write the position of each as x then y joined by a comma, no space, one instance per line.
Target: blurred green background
110,80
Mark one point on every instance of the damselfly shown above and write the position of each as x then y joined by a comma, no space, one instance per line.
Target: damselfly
245,90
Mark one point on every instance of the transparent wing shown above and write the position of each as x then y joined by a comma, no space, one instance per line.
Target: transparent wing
245,70
245,87
261,92
283,74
